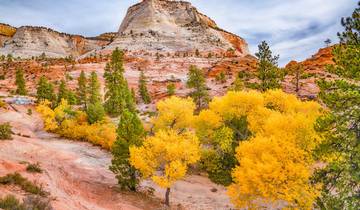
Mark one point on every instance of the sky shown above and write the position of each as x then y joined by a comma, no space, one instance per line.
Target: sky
294,29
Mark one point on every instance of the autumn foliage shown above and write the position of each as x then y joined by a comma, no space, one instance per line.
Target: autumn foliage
71,124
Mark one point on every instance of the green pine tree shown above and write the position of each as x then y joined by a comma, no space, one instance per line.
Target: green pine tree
130,132
143,91
340,178
95,112
197,82
267,70
65,93
117,96
171,88
45,90
81,91
20,82
94,89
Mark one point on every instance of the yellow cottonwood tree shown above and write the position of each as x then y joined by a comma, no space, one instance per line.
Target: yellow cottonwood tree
175,113
275,164
165,157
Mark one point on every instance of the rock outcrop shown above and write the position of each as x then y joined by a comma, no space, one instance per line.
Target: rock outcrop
29,41
6,32
173,26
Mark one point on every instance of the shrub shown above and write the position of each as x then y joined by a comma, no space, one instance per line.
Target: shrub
74,125
29,111
5,131
2,104
26,185
34,168
10,202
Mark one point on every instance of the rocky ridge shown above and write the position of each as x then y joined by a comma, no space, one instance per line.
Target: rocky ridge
30,41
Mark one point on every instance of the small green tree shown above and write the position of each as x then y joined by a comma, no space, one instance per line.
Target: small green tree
65,93
143,91
221,77
197,82
82,90
117,96
94,89
238,84
95,112
171,88
267,70
297,70
130,132
45,90
20,82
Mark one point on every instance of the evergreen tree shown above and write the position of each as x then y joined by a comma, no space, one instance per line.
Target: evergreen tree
94,89
143,91
267,70
65,93
45,90
340,178
20,82
297,70
197,81
171,88
130,132
62,92
81,90
118,96
95,112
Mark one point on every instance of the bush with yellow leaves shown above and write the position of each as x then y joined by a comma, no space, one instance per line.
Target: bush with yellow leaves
71,124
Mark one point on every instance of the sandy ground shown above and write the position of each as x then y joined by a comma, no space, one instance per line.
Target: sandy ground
76,173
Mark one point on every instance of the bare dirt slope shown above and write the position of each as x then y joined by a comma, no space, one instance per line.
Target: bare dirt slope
76,174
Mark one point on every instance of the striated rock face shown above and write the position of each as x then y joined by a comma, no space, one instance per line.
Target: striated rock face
31,41
163,25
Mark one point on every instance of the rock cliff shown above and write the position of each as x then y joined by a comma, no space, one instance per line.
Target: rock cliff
31,41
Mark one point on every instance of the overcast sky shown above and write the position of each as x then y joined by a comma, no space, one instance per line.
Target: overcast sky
295,29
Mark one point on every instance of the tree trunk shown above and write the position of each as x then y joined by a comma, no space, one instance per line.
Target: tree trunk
167,194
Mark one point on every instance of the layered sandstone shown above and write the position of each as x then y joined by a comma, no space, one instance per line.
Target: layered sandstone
170,26
29,41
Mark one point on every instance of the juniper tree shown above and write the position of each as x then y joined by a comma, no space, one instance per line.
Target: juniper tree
81,90
197,82
117,96
130,132
20,82
267,70
45,90
143,91
340,178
